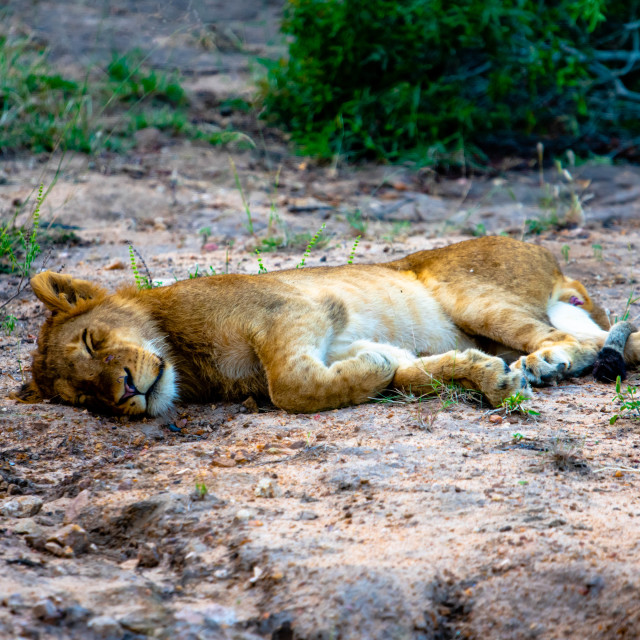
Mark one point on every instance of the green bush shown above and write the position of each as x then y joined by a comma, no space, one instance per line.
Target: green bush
397,79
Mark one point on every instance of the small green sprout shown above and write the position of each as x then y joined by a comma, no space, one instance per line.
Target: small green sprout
201,491
629,401
312,242
597,252
352,255
261,267
513,404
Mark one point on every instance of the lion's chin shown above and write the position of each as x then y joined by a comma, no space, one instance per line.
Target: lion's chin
164,394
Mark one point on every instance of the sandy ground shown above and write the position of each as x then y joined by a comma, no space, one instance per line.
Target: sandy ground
388,520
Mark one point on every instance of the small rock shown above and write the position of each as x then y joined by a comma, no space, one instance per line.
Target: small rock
36,541
71,535
21,506
46,611
57,550
218,461
149,139
558,522
76,613
125,485
106,628
267,488
114,266
148,555
495,419
216,615
15,602
27,526
307,515
243,515
145,622
251,405
78,504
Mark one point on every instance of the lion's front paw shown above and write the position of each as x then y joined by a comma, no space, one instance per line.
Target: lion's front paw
506,383
499,381
544,367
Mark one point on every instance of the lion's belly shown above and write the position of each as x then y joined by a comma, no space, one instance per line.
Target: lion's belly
392,309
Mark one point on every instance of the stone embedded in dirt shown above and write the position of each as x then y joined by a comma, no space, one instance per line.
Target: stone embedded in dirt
144,622
267,488
144,514
76,613
243,515
251,405
58,550
495,419
148,555
15,602
117,264
77,506
126,485
71,536
21,506
105,628
307,515
46,610
218,461
27,526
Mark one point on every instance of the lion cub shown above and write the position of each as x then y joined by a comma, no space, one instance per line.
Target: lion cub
320,338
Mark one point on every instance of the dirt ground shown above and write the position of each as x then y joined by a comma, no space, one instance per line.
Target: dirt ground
387,520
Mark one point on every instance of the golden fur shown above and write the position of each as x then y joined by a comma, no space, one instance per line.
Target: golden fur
321,338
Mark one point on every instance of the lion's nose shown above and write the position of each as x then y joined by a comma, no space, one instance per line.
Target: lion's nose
130,389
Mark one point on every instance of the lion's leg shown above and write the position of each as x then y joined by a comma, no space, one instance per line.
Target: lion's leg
305,383
471,368
632,349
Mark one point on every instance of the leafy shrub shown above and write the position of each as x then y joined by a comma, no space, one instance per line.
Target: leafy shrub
415,78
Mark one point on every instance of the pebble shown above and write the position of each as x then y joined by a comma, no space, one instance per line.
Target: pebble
15,602
148,555
45,610
495,419
75,508
27,526
267,488
57,550
125,485
218,461
71,536
76,613
106,628
243,515
21,506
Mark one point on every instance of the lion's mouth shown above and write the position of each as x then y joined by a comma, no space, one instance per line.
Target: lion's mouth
154,385
130,389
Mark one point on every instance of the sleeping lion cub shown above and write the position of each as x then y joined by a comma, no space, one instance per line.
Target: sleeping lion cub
321,338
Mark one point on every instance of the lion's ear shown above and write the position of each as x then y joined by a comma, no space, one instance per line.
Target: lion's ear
27,393
62,293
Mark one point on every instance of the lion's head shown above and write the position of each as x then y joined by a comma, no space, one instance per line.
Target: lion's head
100,351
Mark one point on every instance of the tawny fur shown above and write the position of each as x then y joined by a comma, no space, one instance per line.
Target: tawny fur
321,338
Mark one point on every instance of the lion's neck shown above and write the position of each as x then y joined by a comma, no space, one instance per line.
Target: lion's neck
207,344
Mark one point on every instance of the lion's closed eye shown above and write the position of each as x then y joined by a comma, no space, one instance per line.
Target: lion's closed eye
86,339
